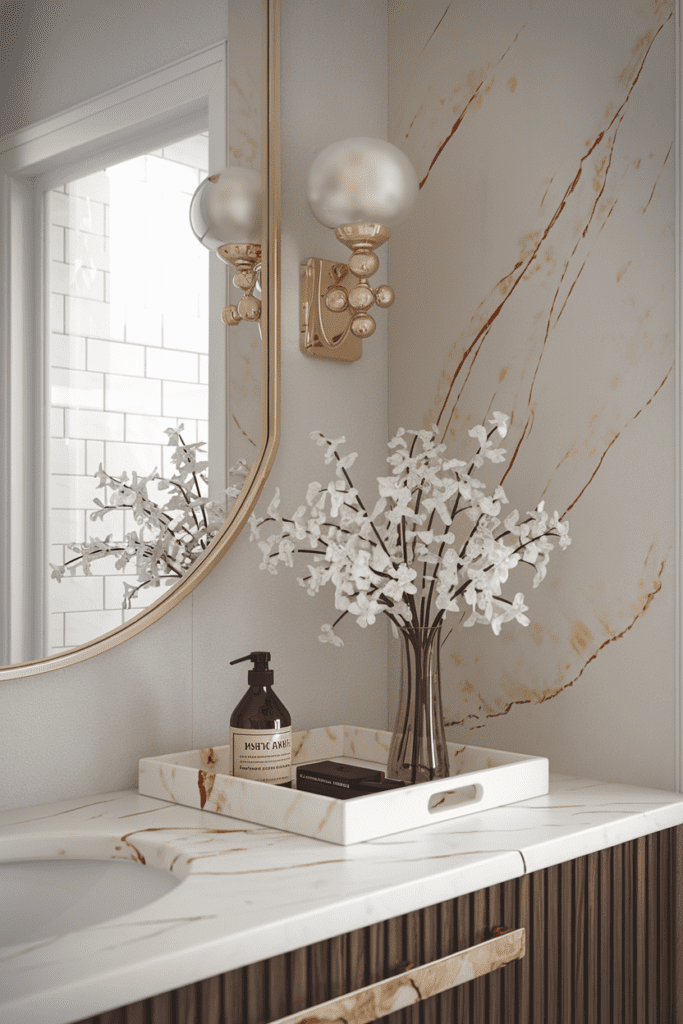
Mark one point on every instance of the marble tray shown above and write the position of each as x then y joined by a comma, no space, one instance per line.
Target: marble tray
481,779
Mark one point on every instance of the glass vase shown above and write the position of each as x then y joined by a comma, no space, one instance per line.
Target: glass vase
418,751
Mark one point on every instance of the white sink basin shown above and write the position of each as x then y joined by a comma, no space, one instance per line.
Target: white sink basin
44,898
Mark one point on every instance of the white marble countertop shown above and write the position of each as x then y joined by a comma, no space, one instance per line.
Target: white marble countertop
250,892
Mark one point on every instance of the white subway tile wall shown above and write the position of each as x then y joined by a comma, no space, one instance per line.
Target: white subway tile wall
68,352
129,357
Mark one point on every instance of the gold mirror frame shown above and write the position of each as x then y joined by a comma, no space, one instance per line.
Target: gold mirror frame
270,382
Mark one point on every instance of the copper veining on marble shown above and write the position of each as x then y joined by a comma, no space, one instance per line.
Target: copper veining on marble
574,334
474,98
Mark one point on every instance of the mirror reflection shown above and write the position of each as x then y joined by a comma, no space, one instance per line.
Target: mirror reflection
144,405
129,365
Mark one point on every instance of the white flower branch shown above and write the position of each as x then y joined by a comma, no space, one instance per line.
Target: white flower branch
391,560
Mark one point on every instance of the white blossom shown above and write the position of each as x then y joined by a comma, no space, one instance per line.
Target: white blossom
274,505
365,609
500,421
401,584
328,637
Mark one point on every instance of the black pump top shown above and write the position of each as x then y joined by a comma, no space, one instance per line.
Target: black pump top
260,659
260,674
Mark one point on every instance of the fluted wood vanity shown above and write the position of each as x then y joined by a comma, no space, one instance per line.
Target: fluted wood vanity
267,923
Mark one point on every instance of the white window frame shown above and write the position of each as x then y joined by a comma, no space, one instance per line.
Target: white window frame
153,110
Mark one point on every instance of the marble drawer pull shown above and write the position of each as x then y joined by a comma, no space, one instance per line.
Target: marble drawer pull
374,1001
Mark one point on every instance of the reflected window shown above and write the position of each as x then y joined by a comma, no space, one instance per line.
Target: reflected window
128,330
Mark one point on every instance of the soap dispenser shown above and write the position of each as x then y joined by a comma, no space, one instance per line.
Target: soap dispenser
261,728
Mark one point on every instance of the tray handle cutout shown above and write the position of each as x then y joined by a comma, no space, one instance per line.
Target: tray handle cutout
445,799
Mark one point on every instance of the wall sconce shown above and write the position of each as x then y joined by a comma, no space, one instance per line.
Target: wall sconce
361,188
225,207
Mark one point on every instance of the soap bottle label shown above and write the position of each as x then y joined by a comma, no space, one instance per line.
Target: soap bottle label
262,755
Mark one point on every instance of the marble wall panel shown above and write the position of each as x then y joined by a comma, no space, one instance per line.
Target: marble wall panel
536,276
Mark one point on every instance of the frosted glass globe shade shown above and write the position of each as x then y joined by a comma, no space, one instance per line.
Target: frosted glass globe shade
362,180
226,208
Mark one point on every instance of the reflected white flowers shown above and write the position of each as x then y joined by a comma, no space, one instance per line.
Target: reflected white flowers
170,536
433,537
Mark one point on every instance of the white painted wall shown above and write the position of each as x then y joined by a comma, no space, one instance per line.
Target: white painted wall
66,51
80,730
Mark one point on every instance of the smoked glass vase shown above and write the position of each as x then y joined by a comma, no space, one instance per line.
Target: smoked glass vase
418,751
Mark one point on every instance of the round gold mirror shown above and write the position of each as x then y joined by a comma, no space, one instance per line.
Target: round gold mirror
57,169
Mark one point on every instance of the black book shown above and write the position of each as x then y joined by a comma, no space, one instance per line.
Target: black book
342,781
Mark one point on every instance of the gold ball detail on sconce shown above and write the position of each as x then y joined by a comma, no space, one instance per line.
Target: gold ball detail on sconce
361,297
363,264
230,316
337,299
244,279
384,296
362,325
249,308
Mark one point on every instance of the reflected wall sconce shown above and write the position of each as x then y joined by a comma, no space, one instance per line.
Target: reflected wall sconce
361,188
225,207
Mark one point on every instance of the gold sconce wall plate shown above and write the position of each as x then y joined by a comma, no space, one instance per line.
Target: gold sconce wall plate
324,332
336,298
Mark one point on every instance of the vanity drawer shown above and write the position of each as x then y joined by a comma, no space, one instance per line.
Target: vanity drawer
602,940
